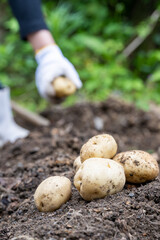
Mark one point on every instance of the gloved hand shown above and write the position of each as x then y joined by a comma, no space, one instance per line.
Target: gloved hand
52,64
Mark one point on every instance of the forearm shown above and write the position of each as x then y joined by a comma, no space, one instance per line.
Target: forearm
40,39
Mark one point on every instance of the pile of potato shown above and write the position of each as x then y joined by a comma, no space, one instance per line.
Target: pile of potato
98,172
97,175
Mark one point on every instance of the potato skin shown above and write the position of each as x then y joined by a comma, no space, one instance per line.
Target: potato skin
52,193
99,177
77,163
100,146
139,166
63,87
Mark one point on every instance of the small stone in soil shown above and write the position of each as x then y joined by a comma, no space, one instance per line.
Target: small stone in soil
98,123
131,194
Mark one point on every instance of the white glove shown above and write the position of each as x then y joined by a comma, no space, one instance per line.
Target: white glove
52,64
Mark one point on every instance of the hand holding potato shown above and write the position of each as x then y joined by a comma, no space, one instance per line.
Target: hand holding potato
52,64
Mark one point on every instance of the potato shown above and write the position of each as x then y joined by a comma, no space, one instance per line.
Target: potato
99,177
139,166
77,163
100,146
63,87
52,193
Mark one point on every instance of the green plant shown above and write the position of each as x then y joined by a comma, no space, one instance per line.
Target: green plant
92,35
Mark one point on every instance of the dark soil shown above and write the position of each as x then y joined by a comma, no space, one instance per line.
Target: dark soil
134,213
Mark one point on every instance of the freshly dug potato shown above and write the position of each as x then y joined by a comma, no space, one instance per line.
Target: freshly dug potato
52,193
63,87
77,163
139,166
99,177
100,146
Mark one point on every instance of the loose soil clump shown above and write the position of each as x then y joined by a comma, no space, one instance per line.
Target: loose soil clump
132,214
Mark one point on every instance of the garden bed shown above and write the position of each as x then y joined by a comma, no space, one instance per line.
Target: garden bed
134,213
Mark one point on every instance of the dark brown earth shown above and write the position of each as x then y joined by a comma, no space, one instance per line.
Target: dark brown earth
132,214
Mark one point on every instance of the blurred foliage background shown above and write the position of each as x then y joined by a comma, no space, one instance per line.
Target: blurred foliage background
93,36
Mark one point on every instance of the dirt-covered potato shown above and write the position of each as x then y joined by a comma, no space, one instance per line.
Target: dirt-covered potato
99,177
52,193
139,166
77,163
100,146
63,87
